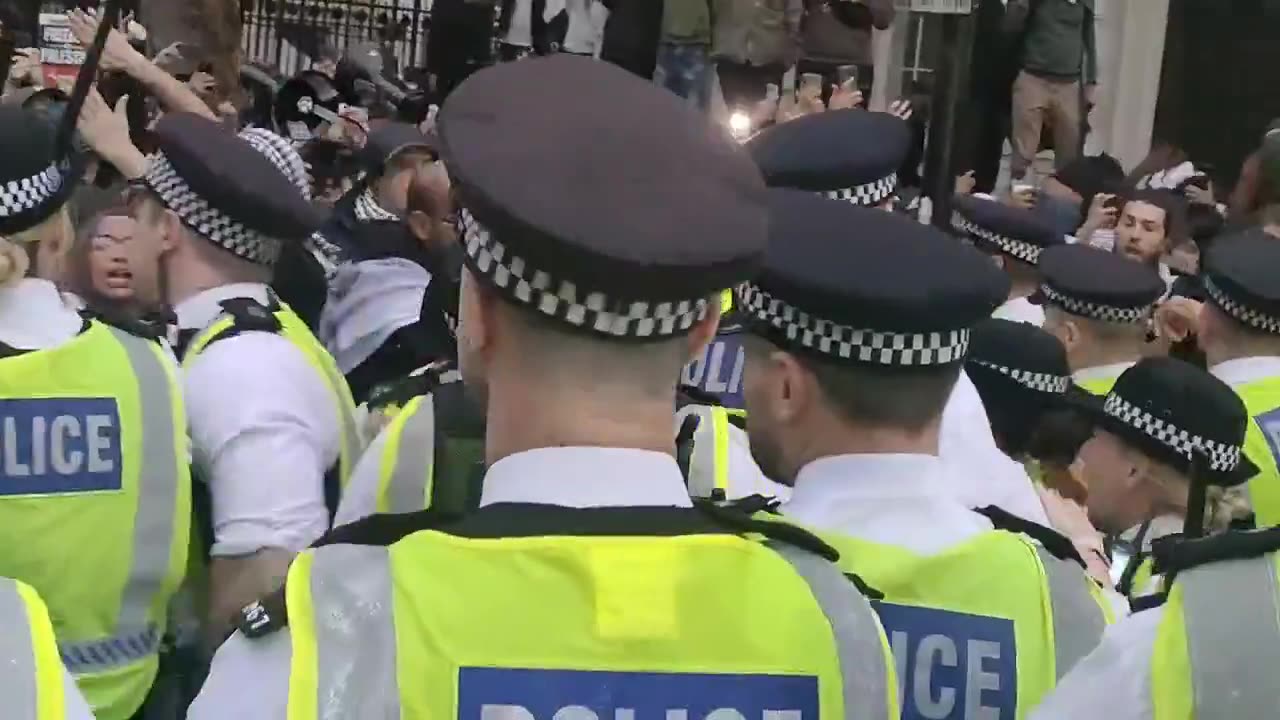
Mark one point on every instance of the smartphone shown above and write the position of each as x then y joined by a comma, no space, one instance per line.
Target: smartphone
811,82
845,73
771,92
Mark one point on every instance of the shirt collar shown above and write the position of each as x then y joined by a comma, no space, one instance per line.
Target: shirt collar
200,310
853,479
1102,372
586,477
1243,371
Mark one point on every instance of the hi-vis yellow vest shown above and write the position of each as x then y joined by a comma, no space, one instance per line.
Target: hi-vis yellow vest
985,628
1218,644
426,462
703,625
1262,445
95,502
1099,386
31,682
292,328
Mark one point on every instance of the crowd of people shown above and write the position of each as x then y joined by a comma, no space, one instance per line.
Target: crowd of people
569,401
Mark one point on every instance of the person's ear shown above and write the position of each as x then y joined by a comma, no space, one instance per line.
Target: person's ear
796,387
704,331
476,315
1072,336
171,236
420,224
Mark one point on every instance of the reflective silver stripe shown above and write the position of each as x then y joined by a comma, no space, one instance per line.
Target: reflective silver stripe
17,655
1078,622
414,461
104,654
1232,617
135,636
863,662
355,632
351,441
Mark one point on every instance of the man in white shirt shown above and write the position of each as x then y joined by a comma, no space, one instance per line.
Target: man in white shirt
1098,304
267,422
587,455
1014,238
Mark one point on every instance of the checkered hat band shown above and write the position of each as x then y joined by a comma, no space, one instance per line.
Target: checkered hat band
1040,382
1222,457
208,221
1106,313
565,301
1239,311
1020,249
29,193
849,343
869,194
281,154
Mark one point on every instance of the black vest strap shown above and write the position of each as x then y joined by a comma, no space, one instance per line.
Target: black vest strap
1177,553
137,327
1125,586
1056,543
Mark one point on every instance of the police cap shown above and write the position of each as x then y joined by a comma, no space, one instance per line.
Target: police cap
1241,278
996,227
850,155
865,286
34,182
599,199
1171,410
1022,358
224,190
1093,283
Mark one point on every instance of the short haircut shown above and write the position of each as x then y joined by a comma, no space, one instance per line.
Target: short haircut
900,399
1175,211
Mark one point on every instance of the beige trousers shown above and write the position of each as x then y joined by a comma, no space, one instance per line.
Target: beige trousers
1037,100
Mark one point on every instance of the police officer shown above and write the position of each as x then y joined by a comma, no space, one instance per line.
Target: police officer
1098,304
585,585
1136,475
34,685
273,437
1015,238
853,156
847,378
94,486
1203,654
1240,335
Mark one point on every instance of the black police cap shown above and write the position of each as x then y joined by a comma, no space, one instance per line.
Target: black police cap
1242,277
1018,233
866,286
1021,356
597,198
1172,410
1093,283
34,182
226,191
394,138
850,155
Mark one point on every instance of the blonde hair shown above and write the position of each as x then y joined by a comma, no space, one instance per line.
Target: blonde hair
15,261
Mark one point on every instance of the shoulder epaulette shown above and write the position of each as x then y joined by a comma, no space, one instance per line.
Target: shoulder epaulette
1176,553
399,392
154,331
1058,545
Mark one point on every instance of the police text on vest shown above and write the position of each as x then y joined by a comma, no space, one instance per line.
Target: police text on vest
59,445
523,694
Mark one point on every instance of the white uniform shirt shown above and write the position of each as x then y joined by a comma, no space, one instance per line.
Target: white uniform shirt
903,500
249,679
35,316
1021,310
979,473
1102,372
1114,681
264,430
1244,371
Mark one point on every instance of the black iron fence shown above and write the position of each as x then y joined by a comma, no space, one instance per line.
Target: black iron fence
292,35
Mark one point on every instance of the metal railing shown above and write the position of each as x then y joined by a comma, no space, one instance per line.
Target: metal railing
289,34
